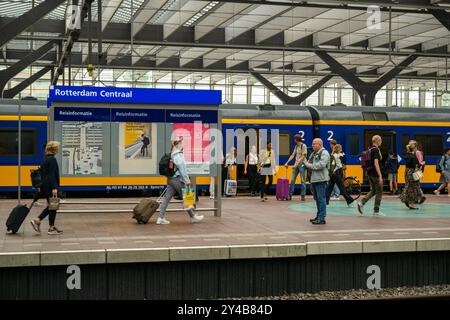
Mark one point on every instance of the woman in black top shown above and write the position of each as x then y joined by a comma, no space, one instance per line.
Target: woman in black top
50,186
411,193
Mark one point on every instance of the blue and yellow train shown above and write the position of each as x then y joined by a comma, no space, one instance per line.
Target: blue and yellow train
352,127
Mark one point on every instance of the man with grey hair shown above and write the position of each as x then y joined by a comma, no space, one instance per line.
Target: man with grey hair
375,178
318,163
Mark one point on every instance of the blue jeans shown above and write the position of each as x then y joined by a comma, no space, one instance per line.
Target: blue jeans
336,191
295,172
319,191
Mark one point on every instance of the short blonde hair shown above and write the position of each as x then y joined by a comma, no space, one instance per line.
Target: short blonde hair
52,147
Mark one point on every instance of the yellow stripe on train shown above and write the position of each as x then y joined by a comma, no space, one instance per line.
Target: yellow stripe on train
9,178
24,118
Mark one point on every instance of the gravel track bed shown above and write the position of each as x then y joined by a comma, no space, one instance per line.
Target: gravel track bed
395,293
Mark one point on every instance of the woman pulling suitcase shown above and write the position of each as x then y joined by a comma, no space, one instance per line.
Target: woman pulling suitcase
49,188
176,183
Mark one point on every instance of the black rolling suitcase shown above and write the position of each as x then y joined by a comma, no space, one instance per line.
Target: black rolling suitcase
17,216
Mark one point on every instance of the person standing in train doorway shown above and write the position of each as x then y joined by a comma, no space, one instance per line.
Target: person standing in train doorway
375,178
300,152
268,169
251,164
319,163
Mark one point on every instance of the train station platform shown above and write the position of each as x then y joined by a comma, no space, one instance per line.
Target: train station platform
254,249
247,228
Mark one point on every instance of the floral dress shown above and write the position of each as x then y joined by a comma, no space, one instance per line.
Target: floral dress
411,193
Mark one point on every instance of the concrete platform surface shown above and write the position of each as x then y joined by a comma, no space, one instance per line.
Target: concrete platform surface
248,228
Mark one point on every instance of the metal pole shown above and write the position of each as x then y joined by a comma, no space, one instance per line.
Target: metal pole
19,152
218,185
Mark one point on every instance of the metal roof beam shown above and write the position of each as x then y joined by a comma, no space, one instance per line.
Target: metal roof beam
286,99
9,73
366,90
11,93
15,27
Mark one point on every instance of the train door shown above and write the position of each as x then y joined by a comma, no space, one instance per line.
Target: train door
388,145
242,179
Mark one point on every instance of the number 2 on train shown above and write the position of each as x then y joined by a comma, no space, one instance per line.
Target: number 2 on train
331,134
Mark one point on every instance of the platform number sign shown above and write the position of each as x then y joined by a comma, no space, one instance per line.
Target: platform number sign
330,135
448,136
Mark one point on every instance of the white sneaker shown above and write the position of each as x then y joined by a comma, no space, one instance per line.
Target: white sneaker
211,196
162,221
334,198
196,218
379,214
436,192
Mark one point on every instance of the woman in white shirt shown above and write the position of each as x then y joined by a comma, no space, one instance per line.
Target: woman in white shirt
251,168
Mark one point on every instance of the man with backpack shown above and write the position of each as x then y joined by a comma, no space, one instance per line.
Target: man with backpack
443,167
299,153
318,164
370,162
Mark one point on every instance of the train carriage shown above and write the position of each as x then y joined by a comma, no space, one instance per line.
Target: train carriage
288,120
353,127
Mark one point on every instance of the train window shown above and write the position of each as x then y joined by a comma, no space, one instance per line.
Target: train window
9,138
375,116
354,144
431,144
285,144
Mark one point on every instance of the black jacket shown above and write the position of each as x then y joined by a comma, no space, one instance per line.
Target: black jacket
411,161
50,174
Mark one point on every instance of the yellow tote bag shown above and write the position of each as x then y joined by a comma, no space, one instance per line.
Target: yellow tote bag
188,198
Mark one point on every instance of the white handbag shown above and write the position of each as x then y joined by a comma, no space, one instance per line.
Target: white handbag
417,175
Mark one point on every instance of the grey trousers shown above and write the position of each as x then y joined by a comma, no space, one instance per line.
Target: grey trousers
174,185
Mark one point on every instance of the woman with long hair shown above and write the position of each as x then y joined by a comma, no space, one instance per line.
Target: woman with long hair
49,188
268,169
411,193
176,183
337,175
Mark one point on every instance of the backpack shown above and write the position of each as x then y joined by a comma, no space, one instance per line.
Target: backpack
166,166
36,177
146,141
332,164
366,159
439,169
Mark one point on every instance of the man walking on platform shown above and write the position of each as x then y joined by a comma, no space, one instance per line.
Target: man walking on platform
375,178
